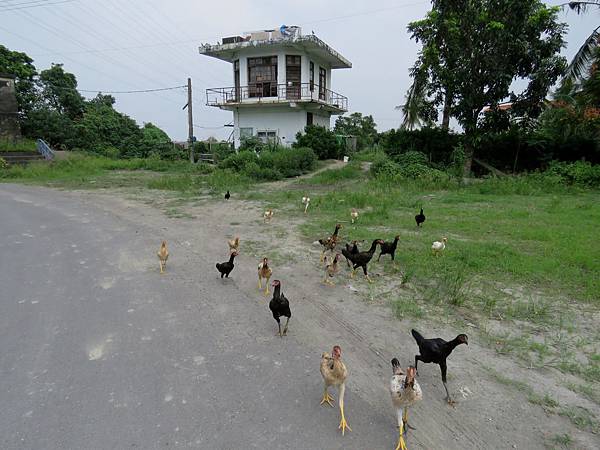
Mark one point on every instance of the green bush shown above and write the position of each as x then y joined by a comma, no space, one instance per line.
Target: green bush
321,140
412,157
271,165
3,164
579,173
434,142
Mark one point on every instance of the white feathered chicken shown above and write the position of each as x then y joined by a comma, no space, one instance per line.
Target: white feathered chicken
405,392
438,247
305,202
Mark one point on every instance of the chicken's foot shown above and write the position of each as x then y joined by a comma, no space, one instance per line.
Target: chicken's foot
327,398
448,398
401,444
285,328
161,267
343,423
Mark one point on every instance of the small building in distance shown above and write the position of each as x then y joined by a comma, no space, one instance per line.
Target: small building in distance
9,124
281,83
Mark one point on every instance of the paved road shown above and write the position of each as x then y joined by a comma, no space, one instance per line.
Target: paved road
98,351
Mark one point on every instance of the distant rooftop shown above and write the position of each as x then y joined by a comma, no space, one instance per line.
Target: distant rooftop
293,38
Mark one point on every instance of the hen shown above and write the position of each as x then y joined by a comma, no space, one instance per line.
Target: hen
438,247
405,392
227,195
264,271
389,248
163,255
362,259
226,267
331,241
420,218
234,244
351,249
268,215
305,202
334,373
280,306
331,269
437,351
353,215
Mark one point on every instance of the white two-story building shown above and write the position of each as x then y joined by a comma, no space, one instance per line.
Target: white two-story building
281,83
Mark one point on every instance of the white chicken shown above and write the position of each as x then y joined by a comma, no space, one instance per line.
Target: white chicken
405,392
305,202
438,247
354,215
268,215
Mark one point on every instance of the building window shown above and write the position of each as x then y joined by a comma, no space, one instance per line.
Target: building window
236,79
309,118
292,77
267,136
311,76
262,77
246,133
322,83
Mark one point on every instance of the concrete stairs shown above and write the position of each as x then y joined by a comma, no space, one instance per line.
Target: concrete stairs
22,158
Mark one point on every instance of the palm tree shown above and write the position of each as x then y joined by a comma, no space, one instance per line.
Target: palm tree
585,54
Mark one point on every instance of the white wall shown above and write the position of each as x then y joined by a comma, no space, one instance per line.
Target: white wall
283,119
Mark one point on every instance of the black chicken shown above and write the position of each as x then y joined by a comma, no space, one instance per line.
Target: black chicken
389,248
280,306
361,259
227,195
420,218
226,267
436,351
351,249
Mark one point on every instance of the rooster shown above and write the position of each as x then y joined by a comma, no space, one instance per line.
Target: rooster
280,306
437,351
331,241
334,373
268,215
438,247
163,255
234,244
362,259
227,195
353,215
420,218
331,269
264,271
305,202
226,267
405,392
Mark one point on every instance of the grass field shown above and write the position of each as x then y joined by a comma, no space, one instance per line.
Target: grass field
21,145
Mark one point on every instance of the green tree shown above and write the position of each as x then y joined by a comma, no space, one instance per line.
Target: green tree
363,127
59,91
21,66
585,54
475,52
321,140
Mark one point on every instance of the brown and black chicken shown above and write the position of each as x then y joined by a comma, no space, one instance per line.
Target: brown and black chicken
330,242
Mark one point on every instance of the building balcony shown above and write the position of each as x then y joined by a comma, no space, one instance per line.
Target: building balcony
276,94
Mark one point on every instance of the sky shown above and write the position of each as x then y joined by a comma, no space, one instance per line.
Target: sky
124,45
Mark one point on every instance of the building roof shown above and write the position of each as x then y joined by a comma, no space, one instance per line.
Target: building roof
309,44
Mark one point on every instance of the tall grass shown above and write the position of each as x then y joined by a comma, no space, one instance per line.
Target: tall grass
17,145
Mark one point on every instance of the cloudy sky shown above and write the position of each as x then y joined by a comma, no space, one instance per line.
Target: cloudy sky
122,45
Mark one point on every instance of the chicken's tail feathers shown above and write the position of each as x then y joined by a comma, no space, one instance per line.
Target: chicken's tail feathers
418,336
396,369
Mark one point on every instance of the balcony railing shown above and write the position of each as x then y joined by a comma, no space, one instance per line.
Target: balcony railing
276,93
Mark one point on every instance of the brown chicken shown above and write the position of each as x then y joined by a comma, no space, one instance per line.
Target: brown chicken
331,269
264,271
331,241
234,244
334,373
163,255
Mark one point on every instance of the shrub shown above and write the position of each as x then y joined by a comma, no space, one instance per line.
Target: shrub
437,144
321,140
3,164
579,173
412,157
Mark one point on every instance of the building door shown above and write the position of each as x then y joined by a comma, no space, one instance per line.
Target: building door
322,83
262,76
292,77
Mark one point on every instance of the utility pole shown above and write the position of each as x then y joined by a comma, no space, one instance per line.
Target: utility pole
190,121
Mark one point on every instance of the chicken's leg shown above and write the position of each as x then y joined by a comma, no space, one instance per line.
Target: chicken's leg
161,267
401,444
326,397
267,286
407,426
285,328
343,423
444,368
322,256
260,282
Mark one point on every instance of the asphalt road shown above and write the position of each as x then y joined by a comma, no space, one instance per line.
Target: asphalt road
99,351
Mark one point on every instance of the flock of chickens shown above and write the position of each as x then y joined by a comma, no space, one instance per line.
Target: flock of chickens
404,389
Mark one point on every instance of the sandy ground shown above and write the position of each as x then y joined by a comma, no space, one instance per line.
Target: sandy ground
487,415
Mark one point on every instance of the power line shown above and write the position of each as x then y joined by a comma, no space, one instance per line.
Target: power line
45,3
133,92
